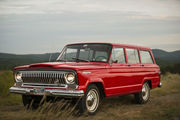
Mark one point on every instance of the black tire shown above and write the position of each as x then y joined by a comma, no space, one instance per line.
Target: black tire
92,98
31,102
143,96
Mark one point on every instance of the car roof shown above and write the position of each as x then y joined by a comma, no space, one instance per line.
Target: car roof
117,45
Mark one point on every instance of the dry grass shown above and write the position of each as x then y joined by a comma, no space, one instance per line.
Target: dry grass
171,84
163,105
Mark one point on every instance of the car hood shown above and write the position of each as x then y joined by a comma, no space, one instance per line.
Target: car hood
65,65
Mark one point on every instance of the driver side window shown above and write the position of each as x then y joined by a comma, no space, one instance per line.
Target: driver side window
118,55
101,56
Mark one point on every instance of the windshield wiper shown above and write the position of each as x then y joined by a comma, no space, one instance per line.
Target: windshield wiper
81,59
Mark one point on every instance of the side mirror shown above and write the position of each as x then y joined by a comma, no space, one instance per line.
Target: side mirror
113,61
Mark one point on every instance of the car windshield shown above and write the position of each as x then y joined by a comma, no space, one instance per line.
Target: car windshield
85,53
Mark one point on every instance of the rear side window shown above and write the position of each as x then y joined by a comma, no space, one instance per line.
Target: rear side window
118,55
146,57
132,55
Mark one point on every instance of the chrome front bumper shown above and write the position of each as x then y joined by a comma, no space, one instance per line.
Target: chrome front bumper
52,92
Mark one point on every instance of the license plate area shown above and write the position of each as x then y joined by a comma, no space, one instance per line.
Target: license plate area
38,91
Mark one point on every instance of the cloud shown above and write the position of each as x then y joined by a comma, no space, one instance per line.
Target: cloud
147,7
39,26
50,32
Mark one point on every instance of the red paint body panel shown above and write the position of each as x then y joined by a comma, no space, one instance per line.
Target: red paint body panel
117,79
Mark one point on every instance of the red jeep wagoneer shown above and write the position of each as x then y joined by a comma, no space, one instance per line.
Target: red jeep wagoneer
90,72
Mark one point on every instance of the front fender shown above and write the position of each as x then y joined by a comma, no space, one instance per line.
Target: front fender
86,79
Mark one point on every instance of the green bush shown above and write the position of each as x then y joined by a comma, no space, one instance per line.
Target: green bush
6,81
175,68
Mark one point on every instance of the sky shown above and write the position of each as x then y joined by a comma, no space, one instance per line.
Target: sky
44,26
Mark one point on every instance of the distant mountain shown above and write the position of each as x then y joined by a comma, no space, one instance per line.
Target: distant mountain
35,57
165,58
7,61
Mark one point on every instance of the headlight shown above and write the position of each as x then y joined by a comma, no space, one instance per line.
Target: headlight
70,78
18,77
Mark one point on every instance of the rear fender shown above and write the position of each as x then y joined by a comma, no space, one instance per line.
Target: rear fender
154,81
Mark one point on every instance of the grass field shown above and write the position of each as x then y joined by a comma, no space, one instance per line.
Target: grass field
164,104
6,81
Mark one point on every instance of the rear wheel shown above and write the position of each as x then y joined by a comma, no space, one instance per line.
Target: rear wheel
90,101
144,95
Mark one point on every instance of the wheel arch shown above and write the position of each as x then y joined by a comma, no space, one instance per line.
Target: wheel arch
149,83
100,88
98,82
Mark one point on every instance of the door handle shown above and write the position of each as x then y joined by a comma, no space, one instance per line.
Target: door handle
128,65
142,65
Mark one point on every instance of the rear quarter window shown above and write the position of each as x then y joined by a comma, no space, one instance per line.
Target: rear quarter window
146,57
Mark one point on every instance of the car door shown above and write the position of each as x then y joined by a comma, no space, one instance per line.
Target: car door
117,72
134,78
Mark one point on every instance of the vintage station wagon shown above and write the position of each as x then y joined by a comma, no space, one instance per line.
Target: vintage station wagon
90,72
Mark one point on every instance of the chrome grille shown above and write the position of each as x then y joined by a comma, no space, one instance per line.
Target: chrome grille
44,77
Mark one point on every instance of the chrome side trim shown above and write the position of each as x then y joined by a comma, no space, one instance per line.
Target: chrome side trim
30,91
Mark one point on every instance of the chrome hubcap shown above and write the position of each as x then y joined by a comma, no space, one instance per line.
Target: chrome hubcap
145,92
92,100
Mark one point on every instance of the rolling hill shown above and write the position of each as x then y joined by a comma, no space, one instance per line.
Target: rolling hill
8,61
166,58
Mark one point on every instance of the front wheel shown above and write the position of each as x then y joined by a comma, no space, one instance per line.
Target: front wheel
31,102
144,95
90,101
